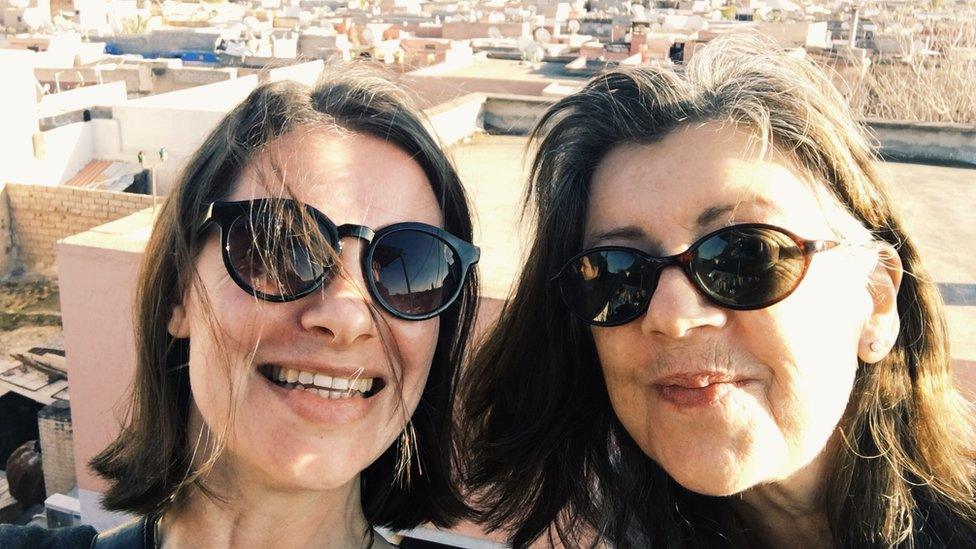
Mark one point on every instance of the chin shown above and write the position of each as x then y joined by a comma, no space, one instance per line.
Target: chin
719,474
712,486
311,473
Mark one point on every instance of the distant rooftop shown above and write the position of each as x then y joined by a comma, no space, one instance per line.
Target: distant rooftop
510,70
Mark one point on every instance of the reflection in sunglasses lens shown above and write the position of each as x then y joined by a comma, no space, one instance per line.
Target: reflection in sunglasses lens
606,286
414,272
271,259
751,266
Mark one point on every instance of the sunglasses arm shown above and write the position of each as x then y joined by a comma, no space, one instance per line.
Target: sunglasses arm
207,218
815,246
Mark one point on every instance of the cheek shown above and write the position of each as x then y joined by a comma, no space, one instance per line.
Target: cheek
809,344
416,343
224,332
624,361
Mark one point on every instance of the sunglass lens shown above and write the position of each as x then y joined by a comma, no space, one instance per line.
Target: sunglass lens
748,268
606,287
272,258
415,273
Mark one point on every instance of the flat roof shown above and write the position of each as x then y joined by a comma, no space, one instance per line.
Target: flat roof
514,70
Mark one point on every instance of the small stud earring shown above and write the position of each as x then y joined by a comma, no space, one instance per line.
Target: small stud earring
875,346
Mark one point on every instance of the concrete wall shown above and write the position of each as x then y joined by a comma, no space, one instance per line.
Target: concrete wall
434,89
513,114
19,114
306,73
178,121
926,141
460,30
493,113
457,119
84,97
60,153
40,216
8,253
97,272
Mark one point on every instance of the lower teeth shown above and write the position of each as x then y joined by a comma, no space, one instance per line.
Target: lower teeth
324,393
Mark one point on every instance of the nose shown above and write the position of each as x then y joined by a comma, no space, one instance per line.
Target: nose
340,309
677,308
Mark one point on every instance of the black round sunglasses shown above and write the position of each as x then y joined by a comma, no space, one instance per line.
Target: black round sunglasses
742,267
412,270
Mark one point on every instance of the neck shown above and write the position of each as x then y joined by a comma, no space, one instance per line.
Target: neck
250,514
789,512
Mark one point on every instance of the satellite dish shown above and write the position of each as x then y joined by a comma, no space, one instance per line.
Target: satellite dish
573,26
524,43
494,33
542,35
368,37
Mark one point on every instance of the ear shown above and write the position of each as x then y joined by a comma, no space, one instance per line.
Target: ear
881,329
178,326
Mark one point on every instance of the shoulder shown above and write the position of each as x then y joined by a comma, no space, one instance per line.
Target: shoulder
35,537
136,534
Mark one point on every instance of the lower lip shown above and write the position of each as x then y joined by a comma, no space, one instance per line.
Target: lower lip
314,408
694,397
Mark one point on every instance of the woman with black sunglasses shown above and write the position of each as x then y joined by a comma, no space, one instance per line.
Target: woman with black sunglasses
303,308
724,336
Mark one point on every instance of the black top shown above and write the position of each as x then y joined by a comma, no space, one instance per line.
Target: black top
35,537
137,534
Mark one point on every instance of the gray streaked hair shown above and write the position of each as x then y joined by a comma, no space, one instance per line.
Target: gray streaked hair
547,456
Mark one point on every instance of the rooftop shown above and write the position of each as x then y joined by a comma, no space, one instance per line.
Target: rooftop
506,69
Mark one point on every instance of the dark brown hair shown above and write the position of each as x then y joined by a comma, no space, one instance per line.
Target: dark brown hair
149,464
546,454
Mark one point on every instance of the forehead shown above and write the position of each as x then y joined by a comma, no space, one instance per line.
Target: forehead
699,178
351,178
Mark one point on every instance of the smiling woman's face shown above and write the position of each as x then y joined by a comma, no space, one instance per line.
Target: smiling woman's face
782,375
294,439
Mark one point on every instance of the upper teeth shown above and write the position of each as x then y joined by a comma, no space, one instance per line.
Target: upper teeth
362,384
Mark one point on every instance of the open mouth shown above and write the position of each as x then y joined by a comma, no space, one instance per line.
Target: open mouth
325,386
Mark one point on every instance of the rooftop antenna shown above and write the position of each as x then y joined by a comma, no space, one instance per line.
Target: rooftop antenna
524,43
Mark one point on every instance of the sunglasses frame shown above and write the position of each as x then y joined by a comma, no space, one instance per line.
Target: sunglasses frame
224,214
684,259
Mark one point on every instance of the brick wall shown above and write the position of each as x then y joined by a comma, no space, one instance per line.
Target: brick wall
57,447
40,216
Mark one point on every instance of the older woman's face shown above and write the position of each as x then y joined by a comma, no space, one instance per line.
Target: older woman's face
779,377
291,438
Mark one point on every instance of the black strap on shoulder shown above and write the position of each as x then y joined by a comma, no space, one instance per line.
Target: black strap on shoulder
137,534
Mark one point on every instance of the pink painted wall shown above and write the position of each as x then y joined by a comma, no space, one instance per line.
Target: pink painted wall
97,272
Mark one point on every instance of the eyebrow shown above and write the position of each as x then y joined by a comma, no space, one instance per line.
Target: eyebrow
629,232
710,214
707,217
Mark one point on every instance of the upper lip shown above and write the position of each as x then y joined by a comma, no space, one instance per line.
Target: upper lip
329,370
697,379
